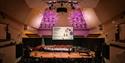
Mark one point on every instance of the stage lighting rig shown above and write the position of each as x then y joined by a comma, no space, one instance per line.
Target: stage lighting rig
73,3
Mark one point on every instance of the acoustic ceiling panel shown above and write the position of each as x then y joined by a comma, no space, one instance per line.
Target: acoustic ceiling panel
41,3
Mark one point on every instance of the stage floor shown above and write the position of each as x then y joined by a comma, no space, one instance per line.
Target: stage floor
41,54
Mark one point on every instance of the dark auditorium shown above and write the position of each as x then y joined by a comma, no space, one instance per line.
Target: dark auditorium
62,31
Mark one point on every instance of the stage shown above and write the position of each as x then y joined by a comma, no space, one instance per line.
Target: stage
41,54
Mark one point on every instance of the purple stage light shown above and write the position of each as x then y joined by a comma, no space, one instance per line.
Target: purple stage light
77,20
49,19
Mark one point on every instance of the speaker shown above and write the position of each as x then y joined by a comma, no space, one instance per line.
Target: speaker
8,36
61,9
117,37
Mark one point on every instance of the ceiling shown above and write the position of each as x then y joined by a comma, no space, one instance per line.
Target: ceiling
20,9
83,3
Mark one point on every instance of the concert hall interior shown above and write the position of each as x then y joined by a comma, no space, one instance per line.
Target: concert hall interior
62,31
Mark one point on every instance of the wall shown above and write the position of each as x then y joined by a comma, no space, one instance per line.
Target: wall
17,9
14,13
35,18
2,31
122,34
92,20
110,29
106,9
8,54
109,12
15,29
117,55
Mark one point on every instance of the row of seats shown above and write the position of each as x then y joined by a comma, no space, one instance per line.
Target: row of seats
56,60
